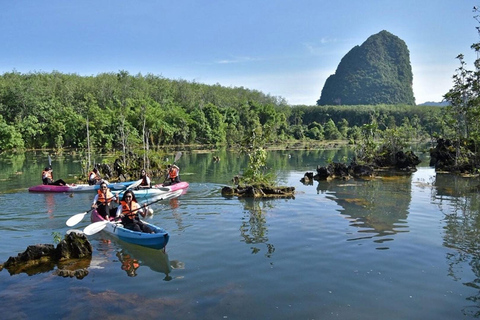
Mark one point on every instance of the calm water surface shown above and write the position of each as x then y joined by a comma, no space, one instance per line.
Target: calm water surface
390,248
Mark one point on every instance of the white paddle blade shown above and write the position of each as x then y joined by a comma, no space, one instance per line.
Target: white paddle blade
134,185
75,219
95,227
177,156
173,194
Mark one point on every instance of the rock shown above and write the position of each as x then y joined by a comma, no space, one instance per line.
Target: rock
72,256
74,246
259,191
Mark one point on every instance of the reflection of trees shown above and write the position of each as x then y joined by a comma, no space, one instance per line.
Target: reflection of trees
254,225
459,201
378,208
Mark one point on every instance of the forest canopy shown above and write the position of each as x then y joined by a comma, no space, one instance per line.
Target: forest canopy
56,110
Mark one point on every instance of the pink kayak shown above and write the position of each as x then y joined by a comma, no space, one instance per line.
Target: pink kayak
78,187
157,190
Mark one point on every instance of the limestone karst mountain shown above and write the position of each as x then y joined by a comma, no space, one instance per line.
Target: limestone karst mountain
377,72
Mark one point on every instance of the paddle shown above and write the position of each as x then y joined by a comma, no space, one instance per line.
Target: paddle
75,219
134,185
100,225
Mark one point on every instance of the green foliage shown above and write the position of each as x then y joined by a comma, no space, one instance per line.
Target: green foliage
57,237
376,72
50,110
461,116
10,138
366,147
255,173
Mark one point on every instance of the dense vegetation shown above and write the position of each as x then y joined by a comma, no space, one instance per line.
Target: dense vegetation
464,112
115,111
377,72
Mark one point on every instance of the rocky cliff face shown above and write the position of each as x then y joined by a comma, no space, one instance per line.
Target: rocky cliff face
377,72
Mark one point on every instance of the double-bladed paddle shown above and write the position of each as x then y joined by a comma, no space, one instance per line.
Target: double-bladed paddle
100,225
75,219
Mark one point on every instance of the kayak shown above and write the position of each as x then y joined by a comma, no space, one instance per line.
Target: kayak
157,240
157,190
78,187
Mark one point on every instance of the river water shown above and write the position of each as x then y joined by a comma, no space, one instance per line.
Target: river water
403,247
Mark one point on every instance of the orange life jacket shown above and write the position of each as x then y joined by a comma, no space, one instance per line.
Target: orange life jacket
97,176
173,173
130,212
105,198
47,174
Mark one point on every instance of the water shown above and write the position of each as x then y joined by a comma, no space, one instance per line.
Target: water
389,248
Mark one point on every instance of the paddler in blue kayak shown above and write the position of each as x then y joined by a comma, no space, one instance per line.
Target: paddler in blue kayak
129,210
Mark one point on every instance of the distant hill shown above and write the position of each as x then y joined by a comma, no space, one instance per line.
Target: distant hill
377,72
435,104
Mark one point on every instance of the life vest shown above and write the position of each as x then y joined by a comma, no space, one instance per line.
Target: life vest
103,198
97,176
173,173
47,174
130,212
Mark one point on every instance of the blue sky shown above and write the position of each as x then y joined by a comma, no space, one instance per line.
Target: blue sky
284,48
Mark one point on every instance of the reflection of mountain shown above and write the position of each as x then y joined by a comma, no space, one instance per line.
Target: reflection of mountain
378,207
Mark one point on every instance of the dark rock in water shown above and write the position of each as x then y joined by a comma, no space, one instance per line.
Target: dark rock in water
74,246
359,170
307,178
333,171
400,160
74,250
260,191
444,156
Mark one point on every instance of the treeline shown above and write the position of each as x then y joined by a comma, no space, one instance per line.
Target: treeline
116,110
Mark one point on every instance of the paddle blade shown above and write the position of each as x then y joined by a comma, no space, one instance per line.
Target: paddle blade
95,227
134,185
177,156
73,220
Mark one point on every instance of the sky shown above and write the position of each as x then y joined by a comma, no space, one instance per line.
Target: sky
284,48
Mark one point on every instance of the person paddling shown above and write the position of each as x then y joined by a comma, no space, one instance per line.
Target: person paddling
103,202
129,211
146,183
94,177
173,173
47,178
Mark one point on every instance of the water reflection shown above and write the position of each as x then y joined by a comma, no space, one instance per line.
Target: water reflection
133,257
458,199
254,224
377,208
